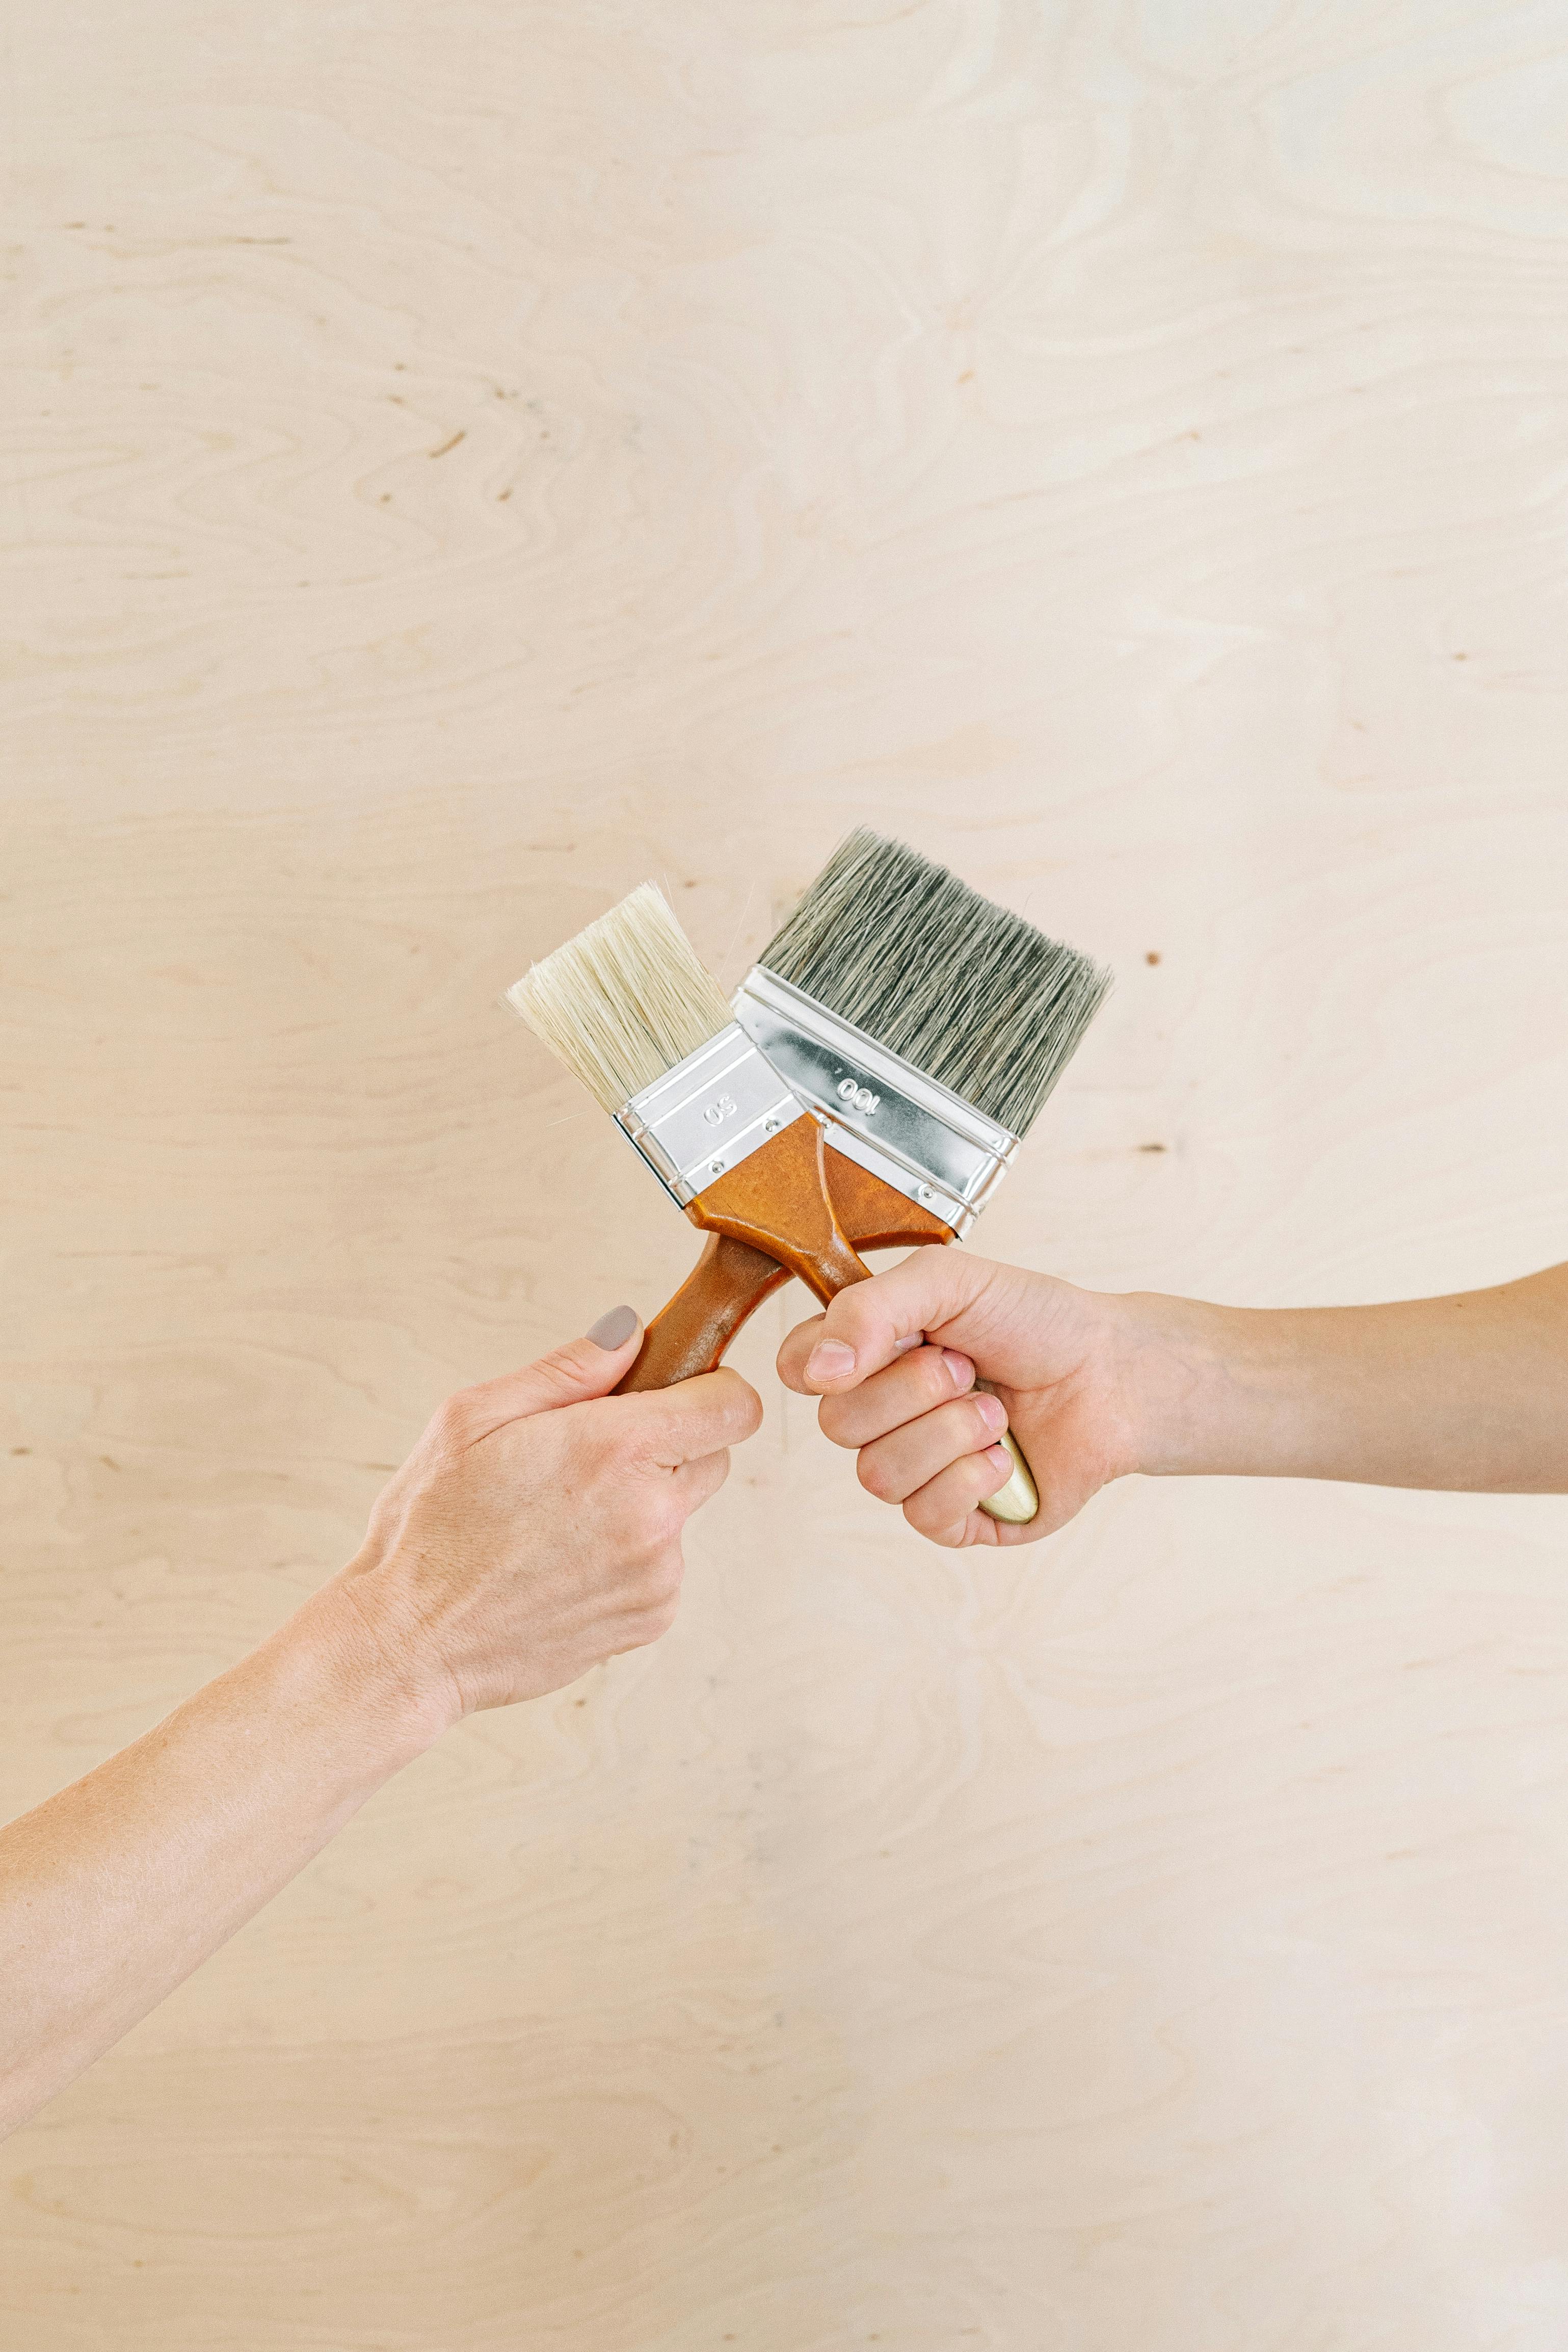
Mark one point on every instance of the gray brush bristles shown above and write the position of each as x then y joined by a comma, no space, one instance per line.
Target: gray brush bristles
624,1001
971,995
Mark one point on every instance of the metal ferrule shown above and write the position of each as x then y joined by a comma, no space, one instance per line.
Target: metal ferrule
923,1141
708,1113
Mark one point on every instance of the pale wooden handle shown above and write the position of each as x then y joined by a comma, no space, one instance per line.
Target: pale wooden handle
1018,1500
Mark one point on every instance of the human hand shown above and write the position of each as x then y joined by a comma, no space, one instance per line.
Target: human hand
1055,1354
535,1528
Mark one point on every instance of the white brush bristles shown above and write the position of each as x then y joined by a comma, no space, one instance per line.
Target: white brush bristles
624,1001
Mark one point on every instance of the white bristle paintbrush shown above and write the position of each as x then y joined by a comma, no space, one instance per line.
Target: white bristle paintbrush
928,1025
633,1013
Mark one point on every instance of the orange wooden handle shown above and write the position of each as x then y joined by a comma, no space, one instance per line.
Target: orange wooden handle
733,1276
728,1282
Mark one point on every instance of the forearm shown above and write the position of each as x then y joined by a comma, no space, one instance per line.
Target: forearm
1468,1391
113,1891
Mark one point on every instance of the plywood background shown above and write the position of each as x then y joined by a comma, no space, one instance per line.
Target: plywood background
463,459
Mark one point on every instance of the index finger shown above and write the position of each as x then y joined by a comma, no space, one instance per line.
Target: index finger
695,1418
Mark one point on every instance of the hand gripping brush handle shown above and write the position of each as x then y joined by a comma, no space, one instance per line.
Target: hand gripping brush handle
925,1028
759,1236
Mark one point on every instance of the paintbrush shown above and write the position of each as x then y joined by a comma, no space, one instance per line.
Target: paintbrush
632,1012
927,1026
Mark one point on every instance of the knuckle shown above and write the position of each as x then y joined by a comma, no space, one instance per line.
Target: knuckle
836,1420
664,1515
455,1418
648,1625
917,1510
661,1584
718,1463
973,1478
937,1526
876,1475
740,1410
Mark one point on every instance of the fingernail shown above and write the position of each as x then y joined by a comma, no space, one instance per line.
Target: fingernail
829,1359
999,1458
915,1339
992,1412
962,1369
613,1331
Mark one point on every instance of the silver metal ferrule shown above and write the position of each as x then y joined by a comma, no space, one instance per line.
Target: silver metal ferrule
920,1138
709,1113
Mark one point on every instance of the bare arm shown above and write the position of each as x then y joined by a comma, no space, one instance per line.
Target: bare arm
1469,1391
534,1531
114,1890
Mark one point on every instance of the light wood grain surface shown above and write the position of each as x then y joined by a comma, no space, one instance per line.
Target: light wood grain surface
463,459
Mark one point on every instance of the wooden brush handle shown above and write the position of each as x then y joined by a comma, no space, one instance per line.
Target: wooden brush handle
777,1201
734,1275
728,1282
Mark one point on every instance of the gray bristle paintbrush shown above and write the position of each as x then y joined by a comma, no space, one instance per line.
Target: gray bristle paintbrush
925,1025
890,968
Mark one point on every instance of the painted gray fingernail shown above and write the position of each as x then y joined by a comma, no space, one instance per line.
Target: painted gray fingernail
613,1331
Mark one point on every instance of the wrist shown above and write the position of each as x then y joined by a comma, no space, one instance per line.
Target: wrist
359,1671
1174,1361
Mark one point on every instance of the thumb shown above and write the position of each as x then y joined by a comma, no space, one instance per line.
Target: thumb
569,1374
868,1325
